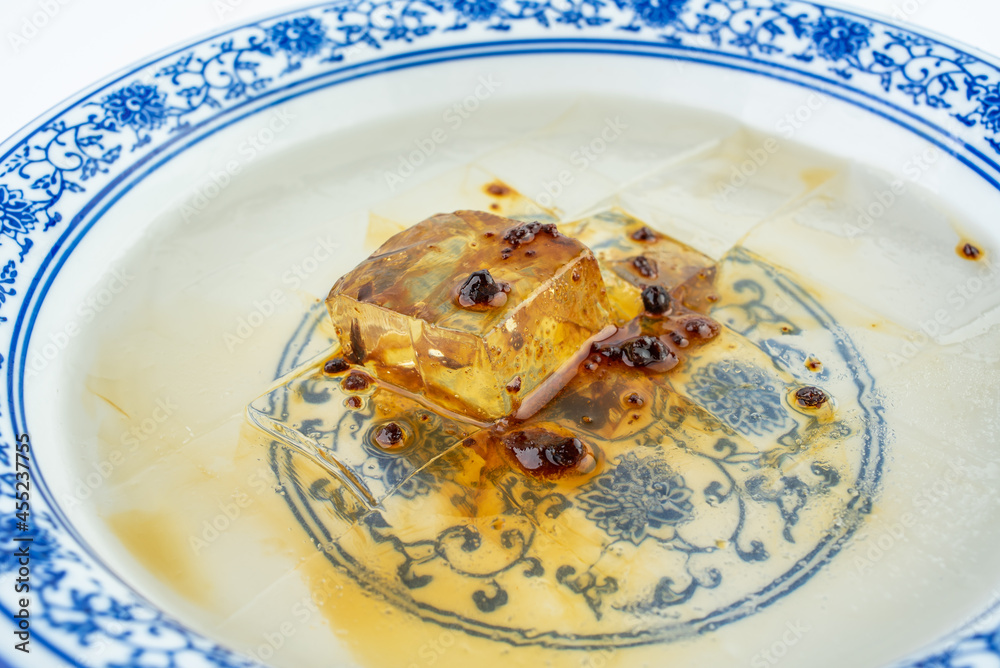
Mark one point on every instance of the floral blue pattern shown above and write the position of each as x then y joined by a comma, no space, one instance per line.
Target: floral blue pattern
636,495
741,395
62,165
476,10
137,106
303,36
989,109
15,213
657,13
836,37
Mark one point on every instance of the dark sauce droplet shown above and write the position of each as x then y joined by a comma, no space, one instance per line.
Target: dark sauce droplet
480,289
700,327
646,267
353,402
336,365
514,386
656,299
634,399
355,382
498,189
544,453
390,435
810,397
970,252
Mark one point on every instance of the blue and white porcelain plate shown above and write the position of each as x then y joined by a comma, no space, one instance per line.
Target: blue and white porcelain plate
166,234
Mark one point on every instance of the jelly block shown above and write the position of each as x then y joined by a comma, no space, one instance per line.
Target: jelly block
398,312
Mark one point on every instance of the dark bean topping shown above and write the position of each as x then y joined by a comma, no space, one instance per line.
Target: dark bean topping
586,419
353,402
656,299
810,397
506,253
526,233
644,350
514,386
543,452
469,442
479,289
390,435
644,234
336,365
971,252
645,266
498,189
529,253
634,399
355,382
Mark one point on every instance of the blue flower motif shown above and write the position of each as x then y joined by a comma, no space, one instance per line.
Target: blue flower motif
302,37
476,10
658,13
836,37
41,548
138,106
639,494
989,108
16,216
740,396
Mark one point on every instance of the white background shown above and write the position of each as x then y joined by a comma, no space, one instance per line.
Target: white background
51,49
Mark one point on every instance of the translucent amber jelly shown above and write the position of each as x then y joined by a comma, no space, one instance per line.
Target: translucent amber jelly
471,311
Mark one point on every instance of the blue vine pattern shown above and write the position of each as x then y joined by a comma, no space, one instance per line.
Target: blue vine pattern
639,500
45,179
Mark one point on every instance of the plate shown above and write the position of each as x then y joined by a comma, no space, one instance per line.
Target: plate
220,188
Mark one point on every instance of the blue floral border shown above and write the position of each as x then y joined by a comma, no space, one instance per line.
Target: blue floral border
63,163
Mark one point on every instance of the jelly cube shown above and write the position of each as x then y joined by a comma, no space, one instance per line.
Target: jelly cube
541,300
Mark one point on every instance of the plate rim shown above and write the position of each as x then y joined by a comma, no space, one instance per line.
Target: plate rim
26,298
